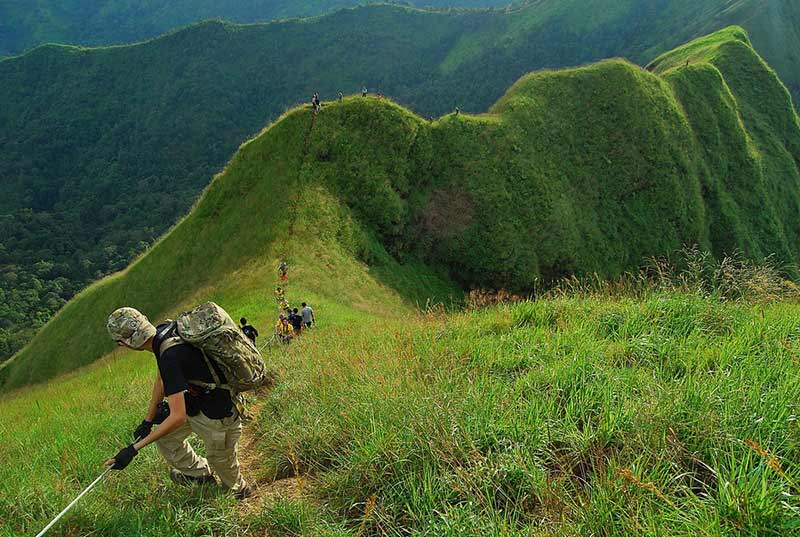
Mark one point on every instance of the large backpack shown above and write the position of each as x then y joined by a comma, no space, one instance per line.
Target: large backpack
210,329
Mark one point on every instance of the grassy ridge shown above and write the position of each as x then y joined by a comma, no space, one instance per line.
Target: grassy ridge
565,417
666,411
73,423
102,150
571,173
669,413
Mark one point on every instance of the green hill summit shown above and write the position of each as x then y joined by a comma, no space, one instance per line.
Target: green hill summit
578,171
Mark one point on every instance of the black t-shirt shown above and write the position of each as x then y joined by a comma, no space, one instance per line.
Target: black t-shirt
296,321
182,363
250,332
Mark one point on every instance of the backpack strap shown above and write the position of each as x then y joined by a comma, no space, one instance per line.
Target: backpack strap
168,337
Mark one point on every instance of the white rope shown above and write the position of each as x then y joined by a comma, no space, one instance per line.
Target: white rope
70,506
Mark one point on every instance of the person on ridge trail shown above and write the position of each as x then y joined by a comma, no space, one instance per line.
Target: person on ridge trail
210,414
280,298
364,91
296,321
308,315
249,331
283,329
283,270
341,96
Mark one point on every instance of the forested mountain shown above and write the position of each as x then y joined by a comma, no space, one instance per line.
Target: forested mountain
108,22
101,150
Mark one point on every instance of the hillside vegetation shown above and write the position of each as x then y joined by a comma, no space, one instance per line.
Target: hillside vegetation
631,409
662,411
580,171
107,22
102,150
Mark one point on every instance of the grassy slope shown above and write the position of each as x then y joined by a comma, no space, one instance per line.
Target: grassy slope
101,150
92,422
569,174
520,420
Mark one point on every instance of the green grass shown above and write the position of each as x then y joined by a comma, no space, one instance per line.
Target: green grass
569,173
637,409
583,414
103,149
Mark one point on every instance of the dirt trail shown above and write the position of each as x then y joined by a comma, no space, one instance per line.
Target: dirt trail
266,491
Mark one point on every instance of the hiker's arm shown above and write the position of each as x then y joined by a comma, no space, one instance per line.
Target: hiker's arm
158,396
176,418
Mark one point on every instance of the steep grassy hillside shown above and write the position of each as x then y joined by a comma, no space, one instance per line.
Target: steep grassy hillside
643,411
668,414
102,150
581,171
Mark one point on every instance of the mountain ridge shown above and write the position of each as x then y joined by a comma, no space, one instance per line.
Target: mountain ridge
545,185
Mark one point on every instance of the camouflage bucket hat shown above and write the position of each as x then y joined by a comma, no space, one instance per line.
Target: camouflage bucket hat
130,326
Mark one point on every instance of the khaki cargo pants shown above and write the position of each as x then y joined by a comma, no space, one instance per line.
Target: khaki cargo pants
220,438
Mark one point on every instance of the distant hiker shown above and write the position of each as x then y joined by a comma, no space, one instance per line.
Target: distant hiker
458,110
307,314
211,413
283,271
283,329
249,331
341,96
315,102
280,295
296,320
364,91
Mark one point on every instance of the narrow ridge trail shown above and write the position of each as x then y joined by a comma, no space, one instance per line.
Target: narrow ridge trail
266,491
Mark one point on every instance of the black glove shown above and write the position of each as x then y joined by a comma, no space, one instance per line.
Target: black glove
162,413
143,430
124,457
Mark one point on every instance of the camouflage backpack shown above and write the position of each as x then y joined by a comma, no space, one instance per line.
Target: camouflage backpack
210,329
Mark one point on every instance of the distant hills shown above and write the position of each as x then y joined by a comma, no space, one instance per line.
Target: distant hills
575,171
111,22
102,150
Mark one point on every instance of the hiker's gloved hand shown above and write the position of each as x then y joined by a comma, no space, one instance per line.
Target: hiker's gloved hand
162,413
143,430
123,458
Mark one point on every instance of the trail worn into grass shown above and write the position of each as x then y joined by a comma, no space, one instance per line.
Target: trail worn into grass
266,490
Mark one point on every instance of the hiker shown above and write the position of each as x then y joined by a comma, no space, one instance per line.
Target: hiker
308,315
210,413
280,295
283,329
249,331
364,91
315,102
296,321
341,96
283,270
458,110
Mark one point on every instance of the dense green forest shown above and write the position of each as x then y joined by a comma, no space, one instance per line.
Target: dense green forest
107,22
101,150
